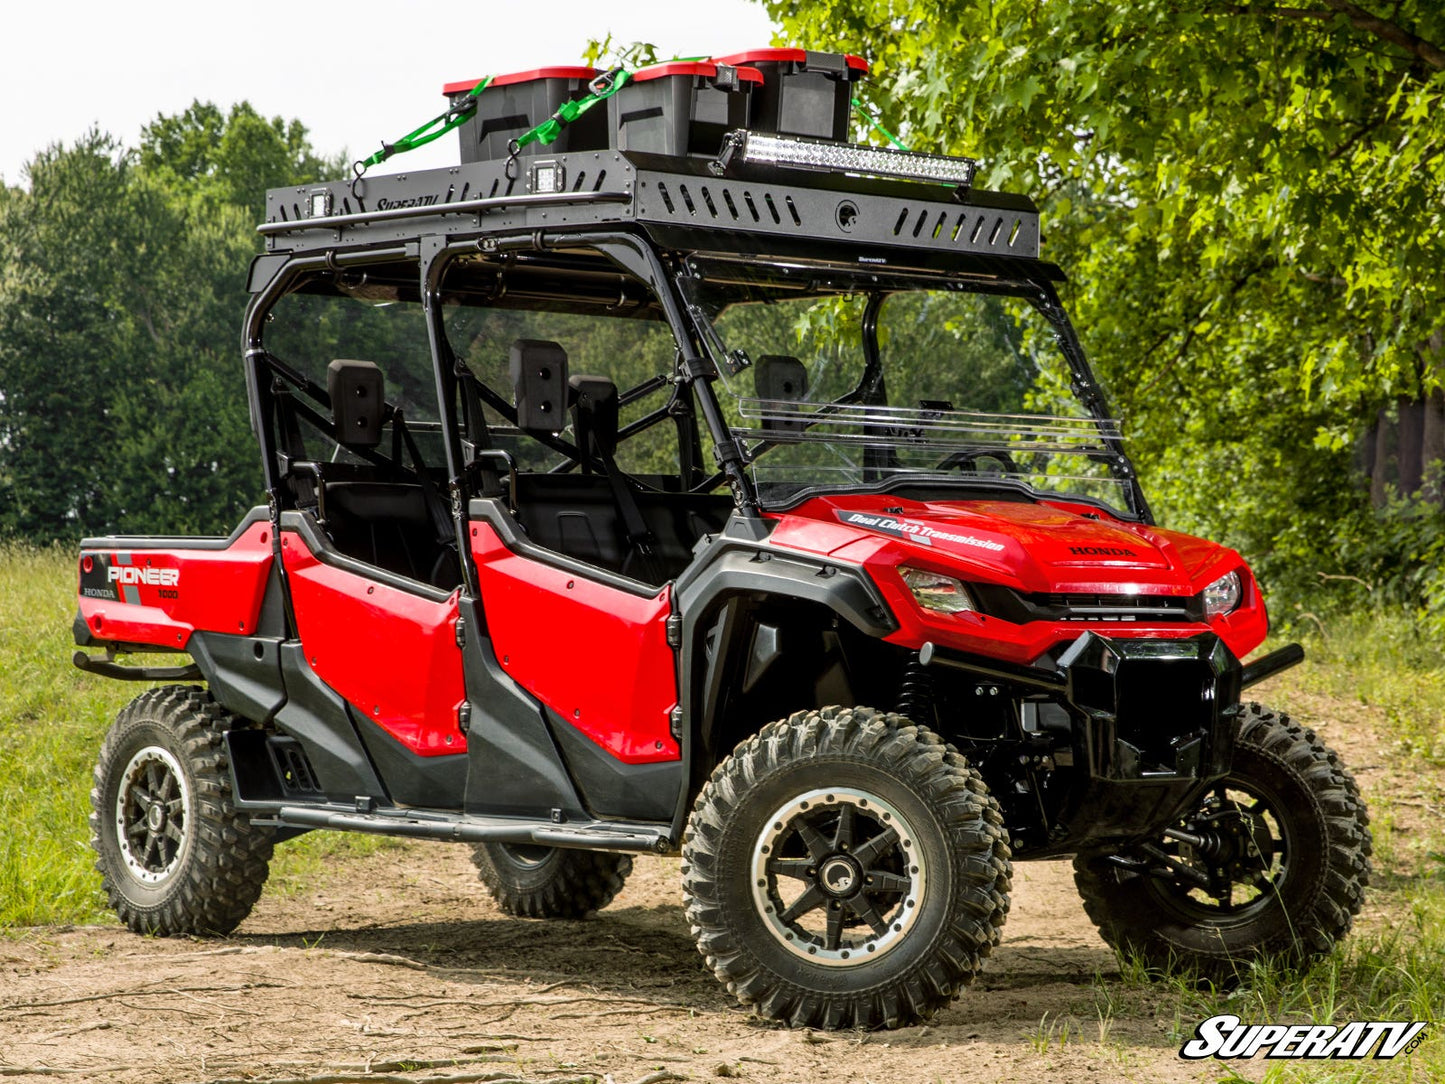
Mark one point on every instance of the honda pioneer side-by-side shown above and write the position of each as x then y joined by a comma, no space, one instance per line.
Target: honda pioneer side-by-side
690,480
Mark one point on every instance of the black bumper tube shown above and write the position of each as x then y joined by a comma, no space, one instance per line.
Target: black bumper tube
1271,664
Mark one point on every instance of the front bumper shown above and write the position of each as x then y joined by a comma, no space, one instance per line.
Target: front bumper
1152,709
1142,727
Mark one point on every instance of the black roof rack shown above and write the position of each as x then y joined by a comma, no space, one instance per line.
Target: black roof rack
676,200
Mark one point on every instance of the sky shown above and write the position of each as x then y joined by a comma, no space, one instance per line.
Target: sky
354,73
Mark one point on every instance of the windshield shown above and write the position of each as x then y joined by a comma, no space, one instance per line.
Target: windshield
959,381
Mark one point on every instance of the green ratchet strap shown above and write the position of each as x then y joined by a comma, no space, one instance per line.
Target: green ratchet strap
862,111
601,88
433,129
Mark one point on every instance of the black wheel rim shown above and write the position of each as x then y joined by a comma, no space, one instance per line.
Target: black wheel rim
1239,860
152,815
838,876
526,855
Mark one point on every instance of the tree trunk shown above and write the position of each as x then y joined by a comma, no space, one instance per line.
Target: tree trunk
1379,473
1383,447
1365,452
1432,447
1412,425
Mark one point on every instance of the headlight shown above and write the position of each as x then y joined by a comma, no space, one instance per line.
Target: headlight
1222,595
935,591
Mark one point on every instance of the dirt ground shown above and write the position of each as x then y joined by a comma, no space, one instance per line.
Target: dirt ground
397,967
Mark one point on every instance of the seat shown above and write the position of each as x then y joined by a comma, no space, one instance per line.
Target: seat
385,524
594,421
576,515
369,513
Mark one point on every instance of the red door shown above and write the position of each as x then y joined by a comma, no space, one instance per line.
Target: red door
595,654
391,653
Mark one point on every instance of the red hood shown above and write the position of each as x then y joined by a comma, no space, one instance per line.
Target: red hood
1055,547
1032,547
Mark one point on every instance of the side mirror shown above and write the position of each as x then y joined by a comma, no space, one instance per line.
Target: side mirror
539,381
780,379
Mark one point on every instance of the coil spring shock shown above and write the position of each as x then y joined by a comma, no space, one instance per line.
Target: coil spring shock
915,694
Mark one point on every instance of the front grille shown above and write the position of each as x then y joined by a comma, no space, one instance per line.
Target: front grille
1022,607
1110,607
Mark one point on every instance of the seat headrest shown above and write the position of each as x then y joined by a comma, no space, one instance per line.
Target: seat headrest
779,376
539,381
782,379
594,411
358,402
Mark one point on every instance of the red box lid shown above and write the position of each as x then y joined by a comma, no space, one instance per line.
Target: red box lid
466,85
763,56
707,69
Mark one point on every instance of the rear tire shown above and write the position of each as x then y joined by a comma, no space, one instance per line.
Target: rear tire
845,868
174,855
549,882
1295,902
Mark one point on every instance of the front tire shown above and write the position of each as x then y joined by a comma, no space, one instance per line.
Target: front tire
174,855
845,868
1287,852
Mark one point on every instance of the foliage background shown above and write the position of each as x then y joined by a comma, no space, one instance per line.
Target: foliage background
1248,199
122,283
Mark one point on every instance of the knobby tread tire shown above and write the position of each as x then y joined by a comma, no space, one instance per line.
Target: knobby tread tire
813,744
567,883
228,859
1318,913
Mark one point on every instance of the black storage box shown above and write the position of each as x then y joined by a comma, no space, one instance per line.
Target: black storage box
514,104
682,107
804,93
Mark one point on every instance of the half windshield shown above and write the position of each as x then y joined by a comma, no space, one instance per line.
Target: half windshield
846,380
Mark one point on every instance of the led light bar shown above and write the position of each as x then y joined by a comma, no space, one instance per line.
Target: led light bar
769,150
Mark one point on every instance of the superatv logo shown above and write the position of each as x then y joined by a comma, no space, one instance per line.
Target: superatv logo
414,201
918,532
1101,551
1225,1037
151,577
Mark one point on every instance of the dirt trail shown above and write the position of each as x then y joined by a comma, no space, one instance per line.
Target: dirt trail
399,968
401,959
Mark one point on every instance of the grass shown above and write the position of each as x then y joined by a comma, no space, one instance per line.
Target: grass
1382,660
1391,967
52,720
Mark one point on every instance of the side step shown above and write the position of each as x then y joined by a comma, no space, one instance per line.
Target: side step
464,828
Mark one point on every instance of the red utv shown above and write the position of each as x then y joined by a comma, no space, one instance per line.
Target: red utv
701,483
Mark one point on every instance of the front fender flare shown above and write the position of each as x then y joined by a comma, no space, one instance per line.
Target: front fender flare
732,566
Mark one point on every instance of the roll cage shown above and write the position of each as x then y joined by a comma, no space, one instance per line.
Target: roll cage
635,234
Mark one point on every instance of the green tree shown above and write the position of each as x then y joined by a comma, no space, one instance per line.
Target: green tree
1249,200
231,159
122,283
